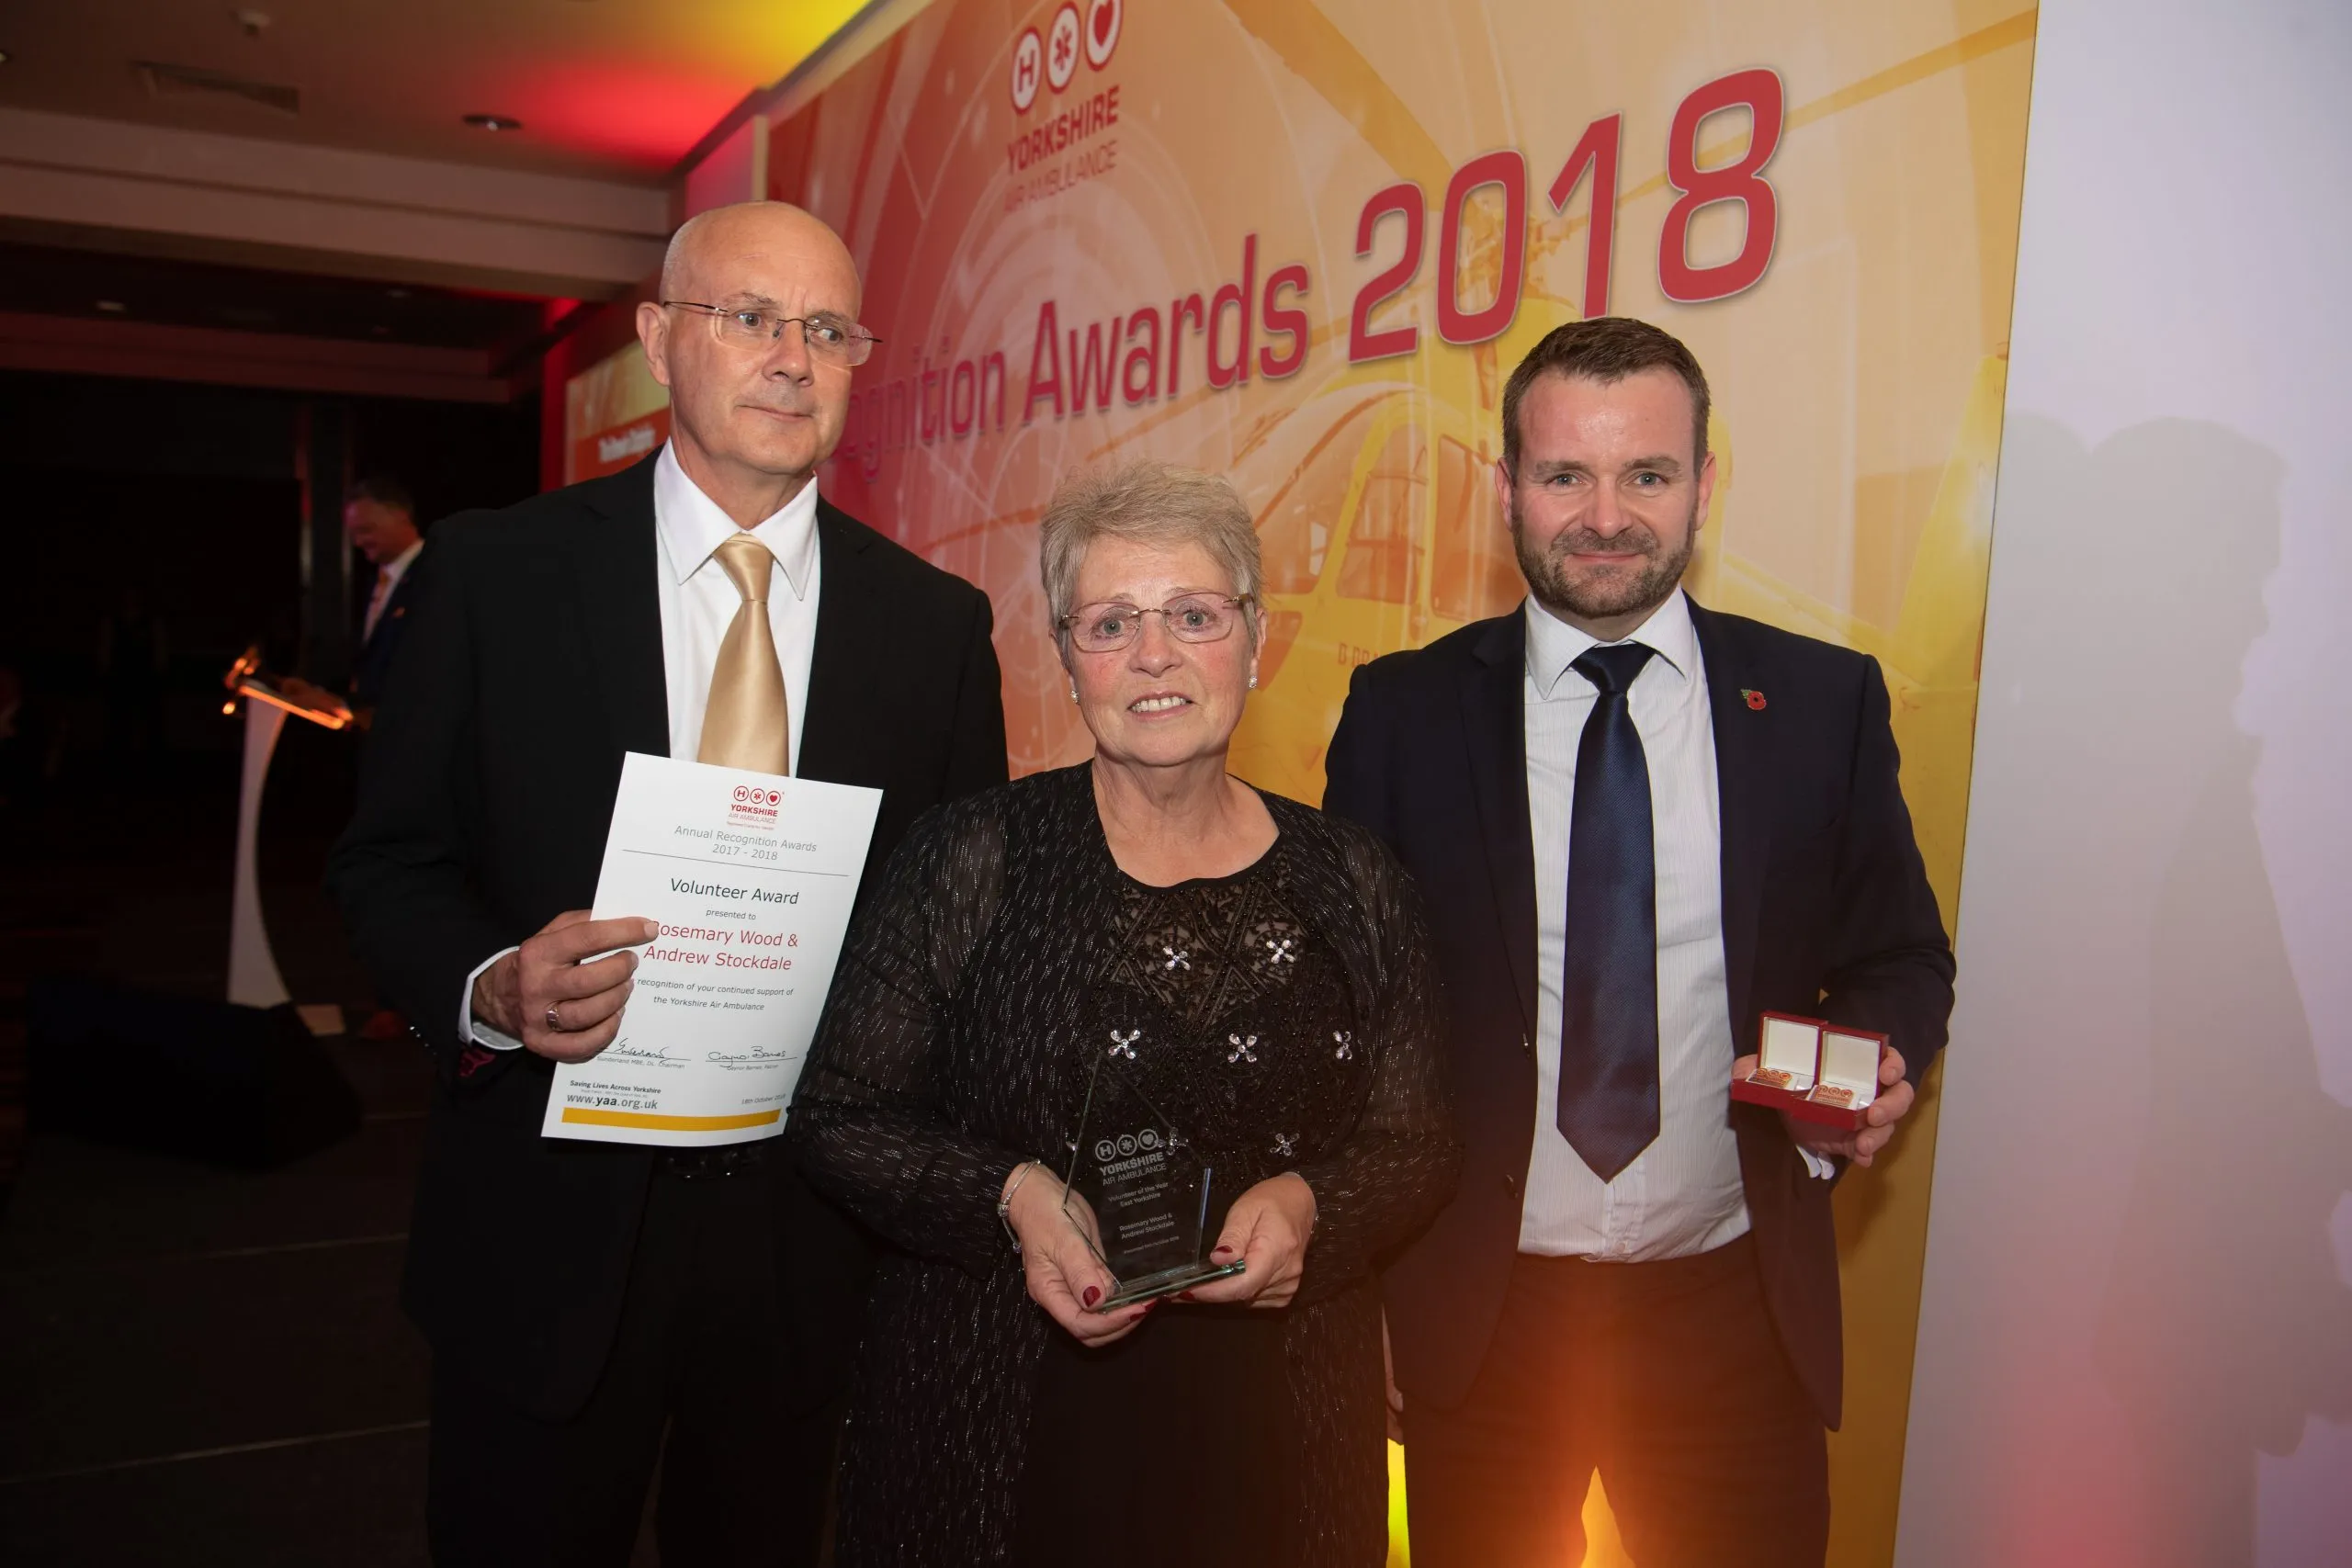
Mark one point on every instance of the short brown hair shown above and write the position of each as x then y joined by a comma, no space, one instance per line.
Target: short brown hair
385,492
1604,349
1151,503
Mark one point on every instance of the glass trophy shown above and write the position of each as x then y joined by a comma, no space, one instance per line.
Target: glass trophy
1138,1193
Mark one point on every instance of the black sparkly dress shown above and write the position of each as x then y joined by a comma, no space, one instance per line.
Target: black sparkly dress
1285,1017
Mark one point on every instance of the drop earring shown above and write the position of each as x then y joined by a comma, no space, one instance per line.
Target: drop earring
1253,682
1073,690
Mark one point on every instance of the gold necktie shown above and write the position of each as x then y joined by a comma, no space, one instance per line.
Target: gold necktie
745,725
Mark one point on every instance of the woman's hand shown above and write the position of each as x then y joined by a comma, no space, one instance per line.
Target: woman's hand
1267,1228
1065,1277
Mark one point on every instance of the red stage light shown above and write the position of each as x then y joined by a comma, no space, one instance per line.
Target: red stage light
646,116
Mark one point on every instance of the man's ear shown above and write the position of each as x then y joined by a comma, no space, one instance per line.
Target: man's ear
653,332
1706,491
1503,496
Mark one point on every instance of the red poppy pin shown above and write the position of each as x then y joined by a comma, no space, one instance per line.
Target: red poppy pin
1755,698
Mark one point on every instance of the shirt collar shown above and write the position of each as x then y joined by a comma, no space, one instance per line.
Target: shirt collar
392,571
1553,645
693,527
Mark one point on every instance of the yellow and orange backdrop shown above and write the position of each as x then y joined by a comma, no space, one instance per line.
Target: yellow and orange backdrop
1303,245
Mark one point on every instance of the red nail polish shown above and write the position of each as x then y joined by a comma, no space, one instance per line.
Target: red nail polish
1222,1252
1184,1295
1093,1294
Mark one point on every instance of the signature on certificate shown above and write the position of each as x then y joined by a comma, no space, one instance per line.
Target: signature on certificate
663,1057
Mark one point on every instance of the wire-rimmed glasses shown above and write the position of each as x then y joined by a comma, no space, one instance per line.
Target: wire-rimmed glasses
1190,618
829,336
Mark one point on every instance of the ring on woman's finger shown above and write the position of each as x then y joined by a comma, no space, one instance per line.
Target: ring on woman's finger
553,1027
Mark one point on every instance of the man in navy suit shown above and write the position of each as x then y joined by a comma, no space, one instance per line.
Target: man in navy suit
381,519
1639,825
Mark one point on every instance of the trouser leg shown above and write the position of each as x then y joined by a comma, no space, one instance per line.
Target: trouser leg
744,1474
1714,1458
1500,1482
507,1489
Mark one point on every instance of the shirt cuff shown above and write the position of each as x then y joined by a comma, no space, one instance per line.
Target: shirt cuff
473,1029
1821,1166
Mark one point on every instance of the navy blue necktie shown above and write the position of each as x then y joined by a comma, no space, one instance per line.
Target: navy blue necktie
1609,991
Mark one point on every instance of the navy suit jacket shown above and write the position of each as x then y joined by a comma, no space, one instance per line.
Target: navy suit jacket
370,671
1826,913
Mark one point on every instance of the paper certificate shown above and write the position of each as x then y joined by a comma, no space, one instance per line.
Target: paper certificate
750,878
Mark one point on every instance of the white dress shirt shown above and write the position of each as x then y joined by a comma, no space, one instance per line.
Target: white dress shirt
698,603
388,577
1682,1194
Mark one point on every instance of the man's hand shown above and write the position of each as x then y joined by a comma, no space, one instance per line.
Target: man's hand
545,980
1862,1145
295,689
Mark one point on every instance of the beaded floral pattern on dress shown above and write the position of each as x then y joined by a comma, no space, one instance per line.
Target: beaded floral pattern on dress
1223,1009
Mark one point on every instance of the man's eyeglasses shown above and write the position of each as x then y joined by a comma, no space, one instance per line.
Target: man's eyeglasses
828,337
1195,617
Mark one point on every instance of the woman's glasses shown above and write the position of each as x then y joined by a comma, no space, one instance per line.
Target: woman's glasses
1195,618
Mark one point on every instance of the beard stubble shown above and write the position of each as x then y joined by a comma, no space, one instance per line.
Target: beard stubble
1612,595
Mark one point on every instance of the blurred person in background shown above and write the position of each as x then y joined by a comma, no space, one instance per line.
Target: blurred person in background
379,516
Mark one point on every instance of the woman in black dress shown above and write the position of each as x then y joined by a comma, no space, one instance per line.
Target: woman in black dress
1261,972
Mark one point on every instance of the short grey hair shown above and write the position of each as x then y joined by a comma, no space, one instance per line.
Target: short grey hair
1146,502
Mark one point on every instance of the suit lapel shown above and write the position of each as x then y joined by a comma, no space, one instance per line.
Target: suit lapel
614,568
1743,764
850,647
1494,723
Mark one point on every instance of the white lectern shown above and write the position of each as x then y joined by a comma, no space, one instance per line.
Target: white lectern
254,979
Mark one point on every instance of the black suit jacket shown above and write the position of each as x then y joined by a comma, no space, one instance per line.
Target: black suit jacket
375,661
1826,913
531,663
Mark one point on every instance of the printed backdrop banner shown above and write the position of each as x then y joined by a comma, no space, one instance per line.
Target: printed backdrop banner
614,413
1304,245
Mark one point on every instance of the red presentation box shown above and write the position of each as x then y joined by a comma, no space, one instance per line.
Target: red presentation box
1815,1071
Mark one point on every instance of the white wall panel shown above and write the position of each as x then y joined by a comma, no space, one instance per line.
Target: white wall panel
2136,1346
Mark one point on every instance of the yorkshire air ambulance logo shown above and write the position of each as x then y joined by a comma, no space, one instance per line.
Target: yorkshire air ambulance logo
753,806
1126,1146
1061,47
1028,70
1102,21
1052,58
